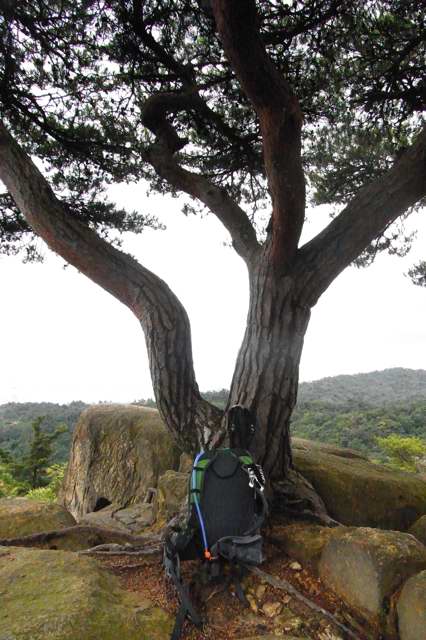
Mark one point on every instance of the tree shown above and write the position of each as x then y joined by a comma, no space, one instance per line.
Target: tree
33,466
237,105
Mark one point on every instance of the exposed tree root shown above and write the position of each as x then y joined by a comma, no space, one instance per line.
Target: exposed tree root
94,535
295,497
122,550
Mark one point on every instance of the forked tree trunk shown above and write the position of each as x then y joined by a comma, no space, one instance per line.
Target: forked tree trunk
266,380
267,370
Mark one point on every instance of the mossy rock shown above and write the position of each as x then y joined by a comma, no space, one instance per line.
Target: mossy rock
57,595
22,517
314,445
118,452
359,493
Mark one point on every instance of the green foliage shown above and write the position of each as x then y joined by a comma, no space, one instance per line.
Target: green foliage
8,484
76,74
31,469
55,475
359,427
402,452
16,430
30,476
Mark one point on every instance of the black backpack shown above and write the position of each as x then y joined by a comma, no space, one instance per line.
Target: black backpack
226,508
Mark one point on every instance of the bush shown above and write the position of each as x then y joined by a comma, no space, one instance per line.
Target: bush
55,473
402,452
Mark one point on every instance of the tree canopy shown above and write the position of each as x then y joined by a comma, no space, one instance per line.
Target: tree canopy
89,87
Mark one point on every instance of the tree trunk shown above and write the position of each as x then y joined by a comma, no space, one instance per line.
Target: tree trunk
267,370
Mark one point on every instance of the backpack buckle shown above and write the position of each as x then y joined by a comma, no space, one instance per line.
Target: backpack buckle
256,476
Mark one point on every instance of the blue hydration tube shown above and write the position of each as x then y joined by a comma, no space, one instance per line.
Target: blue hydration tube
197,506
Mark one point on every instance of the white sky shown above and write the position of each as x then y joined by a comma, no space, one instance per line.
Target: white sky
64,338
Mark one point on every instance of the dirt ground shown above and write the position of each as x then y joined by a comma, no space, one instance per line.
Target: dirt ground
272,610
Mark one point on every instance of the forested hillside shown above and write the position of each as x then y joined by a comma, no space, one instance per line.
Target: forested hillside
358,427
349,411
16,419
378,388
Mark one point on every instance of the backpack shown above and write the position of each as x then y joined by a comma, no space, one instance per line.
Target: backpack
226,508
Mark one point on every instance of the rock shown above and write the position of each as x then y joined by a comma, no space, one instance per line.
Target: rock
79,600
172,494
288,621
305,542
366,566
260,591
359,493
22,517
252,602
132,520
118,452
411,608
103,518
137,517
312,445
272,609
418,529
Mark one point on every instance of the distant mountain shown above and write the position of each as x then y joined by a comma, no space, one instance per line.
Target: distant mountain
346,410
375,389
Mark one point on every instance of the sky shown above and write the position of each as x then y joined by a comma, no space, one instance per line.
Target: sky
65,339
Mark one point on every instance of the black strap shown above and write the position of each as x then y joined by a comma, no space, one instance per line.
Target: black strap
260,517
186,608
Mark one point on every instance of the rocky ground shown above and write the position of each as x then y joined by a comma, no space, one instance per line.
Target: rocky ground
274,612
123,485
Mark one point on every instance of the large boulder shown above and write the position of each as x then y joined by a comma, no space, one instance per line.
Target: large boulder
314,445
411,608
359,493
22,517
62,596
365,567
118,452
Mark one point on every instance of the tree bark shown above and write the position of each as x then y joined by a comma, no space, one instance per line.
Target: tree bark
267,370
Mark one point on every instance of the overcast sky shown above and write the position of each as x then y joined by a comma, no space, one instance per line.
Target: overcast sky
64,338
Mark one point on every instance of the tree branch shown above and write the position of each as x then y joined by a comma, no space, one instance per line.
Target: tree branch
192,420
376,206
280,120
161,157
